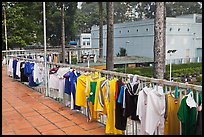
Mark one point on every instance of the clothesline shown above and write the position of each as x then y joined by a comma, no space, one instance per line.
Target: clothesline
117,74
107,79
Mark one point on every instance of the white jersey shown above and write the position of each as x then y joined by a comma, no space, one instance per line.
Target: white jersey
18,72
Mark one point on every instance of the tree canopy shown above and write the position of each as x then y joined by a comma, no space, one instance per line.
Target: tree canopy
25,19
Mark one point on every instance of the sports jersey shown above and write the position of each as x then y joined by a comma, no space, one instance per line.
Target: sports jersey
110,106
100,91
199,123
92,91
155,111
38,73
67,86
187,116
172,123
82,90
73,80
18,72
10,67
120,119
131,99
14,66
23,77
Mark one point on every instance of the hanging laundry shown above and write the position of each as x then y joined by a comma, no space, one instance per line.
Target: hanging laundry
187,116
172,123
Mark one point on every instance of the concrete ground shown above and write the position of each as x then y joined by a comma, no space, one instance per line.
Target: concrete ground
28,112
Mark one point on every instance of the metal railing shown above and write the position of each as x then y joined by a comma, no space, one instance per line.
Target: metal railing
133,127
184,60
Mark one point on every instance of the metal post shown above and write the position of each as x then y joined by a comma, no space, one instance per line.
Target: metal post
45,58
70,57
88,59
170,67
6,38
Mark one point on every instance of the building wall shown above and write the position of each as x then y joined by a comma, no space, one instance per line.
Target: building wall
85,41
182,34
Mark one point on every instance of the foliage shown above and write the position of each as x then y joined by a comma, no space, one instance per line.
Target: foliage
22,24
178,70
122,52
25,23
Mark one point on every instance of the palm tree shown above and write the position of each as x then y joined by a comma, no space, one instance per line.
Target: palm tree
159,40
110,47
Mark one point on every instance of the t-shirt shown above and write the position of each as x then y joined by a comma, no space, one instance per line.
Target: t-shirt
172,123
187,116
120,119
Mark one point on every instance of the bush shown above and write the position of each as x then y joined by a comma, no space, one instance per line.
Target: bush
199,78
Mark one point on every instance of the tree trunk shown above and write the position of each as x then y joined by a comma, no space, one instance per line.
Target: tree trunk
110,44
159,40
63,33
101,30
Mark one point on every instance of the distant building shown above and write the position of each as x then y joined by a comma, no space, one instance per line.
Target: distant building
84,41
183,33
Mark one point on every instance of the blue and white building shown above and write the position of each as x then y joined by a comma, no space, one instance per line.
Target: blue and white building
183,33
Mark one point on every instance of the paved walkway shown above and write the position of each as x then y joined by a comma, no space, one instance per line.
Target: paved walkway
25,111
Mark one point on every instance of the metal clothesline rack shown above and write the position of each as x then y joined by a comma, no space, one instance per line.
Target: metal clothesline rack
143,80
118,74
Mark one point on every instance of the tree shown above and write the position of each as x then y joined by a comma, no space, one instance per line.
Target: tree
22,25
122,52
63,33
110,44
159,40
100,30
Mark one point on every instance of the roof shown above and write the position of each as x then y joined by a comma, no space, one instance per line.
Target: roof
120,60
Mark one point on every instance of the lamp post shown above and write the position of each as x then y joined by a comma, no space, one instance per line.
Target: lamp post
170,52
125,52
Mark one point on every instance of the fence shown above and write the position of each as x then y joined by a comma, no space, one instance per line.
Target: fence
184,60
133,127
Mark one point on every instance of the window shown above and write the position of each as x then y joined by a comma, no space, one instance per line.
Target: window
84,43
179,29
188,29
88,43
170,29
128,30
120,31
137,30
147,29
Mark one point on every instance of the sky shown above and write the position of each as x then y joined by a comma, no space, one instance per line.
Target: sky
79,5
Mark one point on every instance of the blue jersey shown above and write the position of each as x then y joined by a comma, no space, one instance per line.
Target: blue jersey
14,68
73,81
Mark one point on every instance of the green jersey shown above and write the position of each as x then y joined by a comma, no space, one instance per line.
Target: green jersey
187,116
